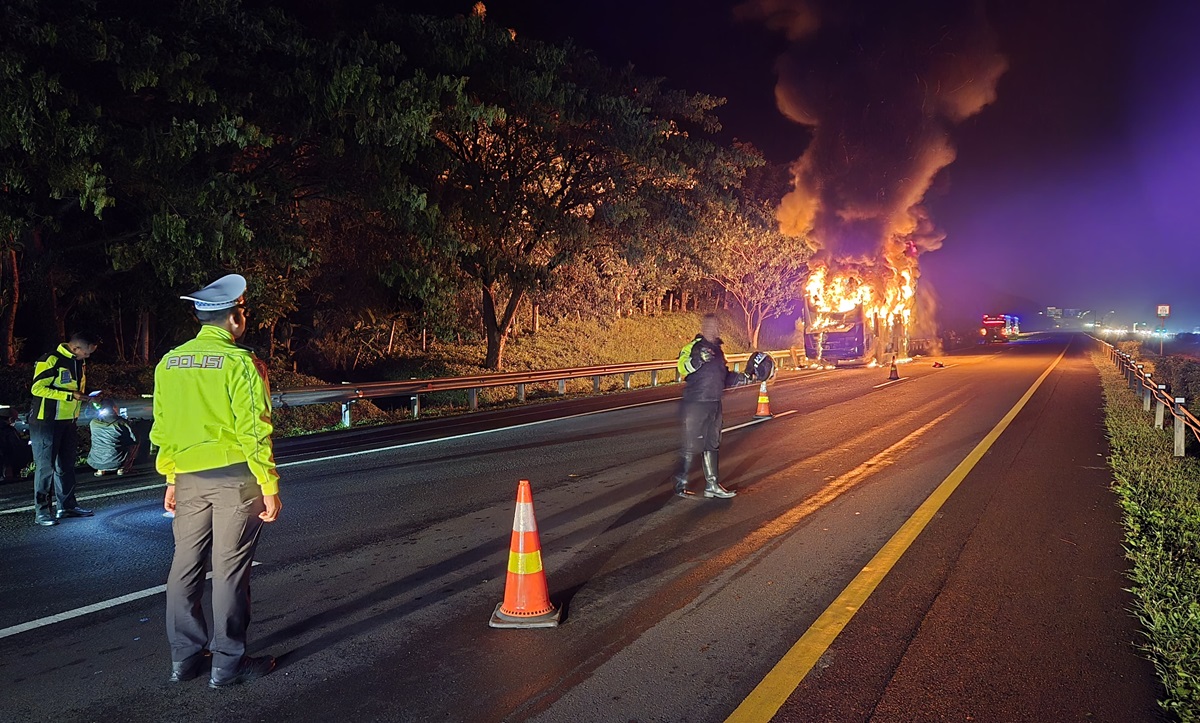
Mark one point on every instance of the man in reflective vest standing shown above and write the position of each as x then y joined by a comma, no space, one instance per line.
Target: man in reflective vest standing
59,385
212,425
705,376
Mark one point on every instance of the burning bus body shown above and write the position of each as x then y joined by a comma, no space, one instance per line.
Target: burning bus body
850,321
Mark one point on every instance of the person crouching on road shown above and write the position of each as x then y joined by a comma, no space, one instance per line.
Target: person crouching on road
114,445
705,374
212,425
59,385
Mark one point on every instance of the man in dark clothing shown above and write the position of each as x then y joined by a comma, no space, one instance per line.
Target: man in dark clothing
59,386
702,364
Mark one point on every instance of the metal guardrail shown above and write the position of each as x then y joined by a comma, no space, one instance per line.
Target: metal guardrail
1155,395
347,394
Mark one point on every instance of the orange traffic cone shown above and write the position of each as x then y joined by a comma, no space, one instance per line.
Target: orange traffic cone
764,404
894,374
526,600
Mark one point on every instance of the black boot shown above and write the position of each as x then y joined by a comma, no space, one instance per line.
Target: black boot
681,479
713,488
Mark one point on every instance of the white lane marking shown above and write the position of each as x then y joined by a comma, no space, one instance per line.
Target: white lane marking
757,421
114,493
889,383
30,508
86,609
77,612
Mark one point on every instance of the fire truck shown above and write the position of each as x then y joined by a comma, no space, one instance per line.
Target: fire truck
999,328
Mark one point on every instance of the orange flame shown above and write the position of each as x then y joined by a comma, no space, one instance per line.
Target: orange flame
888,294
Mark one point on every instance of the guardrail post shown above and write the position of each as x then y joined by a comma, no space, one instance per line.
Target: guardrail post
1180,427
654,377
1135,377
1161,408
562,387
346,414
678,376
473,398
596,384
520,392
795,360
415,403
735,367
1146,394
628,380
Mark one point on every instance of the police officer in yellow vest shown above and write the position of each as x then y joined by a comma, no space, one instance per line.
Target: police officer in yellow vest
212,426
59,385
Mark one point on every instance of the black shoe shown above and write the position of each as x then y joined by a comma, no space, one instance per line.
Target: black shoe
45,521
74,512
681,489
190,668
247,669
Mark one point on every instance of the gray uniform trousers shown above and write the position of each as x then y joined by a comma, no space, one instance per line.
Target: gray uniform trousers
216,516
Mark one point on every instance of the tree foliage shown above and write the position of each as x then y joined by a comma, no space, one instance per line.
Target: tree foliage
759,267
406,172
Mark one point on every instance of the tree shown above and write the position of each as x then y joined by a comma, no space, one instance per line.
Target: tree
759,267
547,149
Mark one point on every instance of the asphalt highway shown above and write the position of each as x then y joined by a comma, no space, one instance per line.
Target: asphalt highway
375,587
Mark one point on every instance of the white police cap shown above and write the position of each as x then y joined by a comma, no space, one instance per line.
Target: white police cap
224,293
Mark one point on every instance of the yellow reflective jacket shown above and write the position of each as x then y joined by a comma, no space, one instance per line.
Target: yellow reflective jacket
212,408
56,377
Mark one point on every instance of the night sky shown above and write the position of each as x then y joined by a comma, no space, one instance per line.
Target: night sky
1074,186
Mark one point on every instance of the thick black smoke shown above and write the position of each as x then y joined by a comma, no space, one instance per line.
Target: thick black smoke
880,85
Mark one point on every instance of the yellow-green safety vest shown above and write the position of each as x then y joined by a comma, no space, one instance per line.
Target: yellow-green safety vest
56,377
212,409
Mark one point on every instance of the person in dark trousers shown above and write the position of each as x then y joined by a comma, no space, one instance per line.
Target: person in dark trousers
706,376
212,427
59,387
15,454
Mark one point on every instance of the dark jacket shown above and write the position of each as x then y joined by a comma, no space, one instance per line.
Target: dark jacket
705,374
112,443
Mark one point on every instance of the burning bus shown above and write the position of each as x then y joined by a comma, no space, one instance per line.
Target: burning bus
838,337
847,321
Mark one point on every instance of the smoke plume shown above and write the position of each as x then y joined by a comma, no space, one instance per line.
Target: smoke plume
879,85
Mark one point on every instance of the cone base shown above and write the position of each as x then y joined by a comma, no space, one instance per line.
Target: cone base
502,620
764,416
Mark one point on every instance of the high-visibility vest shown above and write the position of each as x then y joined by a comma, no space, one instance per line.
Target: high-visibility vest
686,365
56,378
212,409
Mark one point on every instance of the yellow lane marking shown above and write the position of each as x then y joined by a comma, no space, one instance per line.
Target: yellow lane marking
773,691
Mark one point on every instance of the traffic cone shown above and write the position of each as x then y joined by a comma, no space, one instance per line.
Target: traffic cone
764,404
894,374
526,601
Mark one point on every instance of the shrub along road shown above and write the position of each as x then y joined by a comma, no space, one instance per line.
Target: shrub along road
376,584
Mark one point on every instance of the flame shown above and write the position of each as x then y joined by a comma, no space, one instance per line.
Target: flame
883,291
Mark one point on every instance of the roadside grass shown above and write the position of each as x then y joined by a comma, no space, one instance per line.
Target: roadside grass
563,344
1160,496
